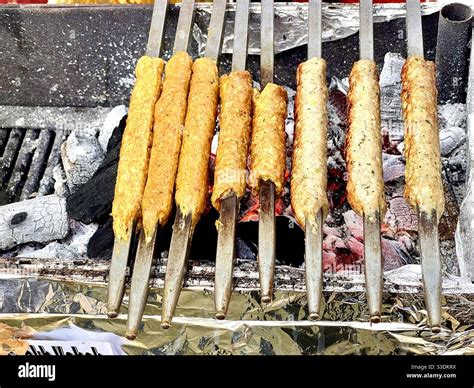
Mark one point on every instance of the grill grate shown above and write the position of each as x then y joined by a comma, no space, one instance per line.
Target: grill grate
27,159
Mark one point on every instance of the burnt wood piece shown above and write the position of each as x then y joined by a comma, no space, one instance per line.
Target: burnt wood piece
41,219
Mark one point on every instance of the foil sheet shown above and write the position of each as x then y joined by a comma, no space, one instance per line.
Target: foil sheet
291,21
56,298
279,329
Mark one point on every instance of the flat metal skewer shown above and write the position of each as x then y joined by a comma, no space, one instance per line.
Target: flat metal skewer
431,267
176,266
230,205
122,249
185,24
372,240
267,221
182,228
117,273
157,27
146,249
314,227
427,223
414,28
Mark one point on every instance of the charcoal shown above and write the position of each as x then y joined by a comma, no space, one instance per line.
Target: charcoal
102,241
93,200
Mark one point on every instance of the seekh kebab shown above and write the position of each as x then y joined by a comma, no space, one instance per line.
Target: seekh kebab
134,153
192,186
134,156
170,113
423,179
230,171
309,166
192,178
423,182
365,186
235,120
267,152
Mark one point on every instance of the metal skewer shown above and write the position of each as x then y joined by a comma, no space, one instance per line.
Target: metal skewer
372,240
267,221
427,223
183,227
314,227
121,250
146,249
230,205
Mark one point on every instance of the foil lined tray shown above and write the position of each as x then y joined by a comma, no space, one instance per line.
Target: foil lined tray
37,298
279,329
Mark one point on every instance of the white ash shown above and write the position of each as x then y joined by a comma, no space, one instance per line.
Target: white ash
290,117
215,142
410,275
392,67
390,102
112,120
60,181
451,138
336,139
339,84
64,118
41,219
452,115
81,155
72,247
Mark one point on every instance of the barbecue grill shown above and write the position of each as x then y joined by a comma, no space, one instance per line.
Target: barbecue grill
30,155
